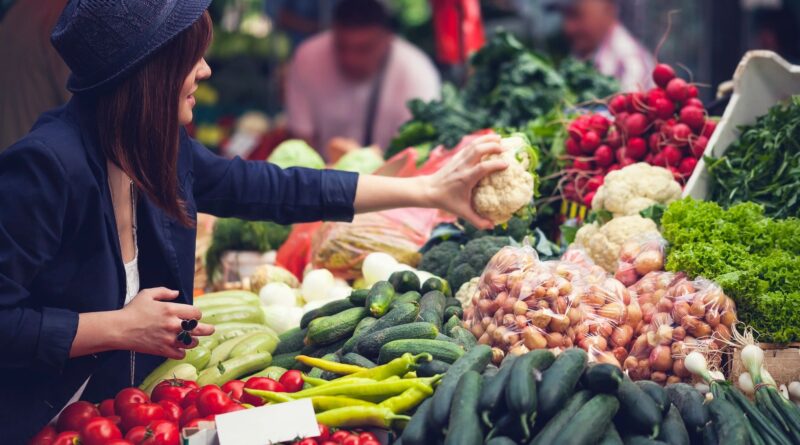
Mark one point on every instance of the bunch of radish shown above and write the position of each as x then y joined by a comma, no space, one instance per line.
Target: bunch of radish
666,126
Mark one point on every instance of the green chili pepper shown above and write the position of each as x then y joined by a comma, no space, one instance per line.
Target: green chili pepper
360,389
270,396
352,416
410,398
325,365
327,403
397,367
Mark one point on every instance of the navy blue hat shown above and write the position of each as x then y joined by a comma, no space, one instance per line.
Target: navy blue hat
103,40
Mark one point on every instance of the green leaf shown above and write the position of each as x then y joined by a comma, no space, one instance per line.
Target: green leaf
654,212
601,216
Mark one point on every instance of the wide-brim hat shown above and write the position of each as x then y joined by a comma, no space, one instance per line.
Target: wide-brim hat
102,41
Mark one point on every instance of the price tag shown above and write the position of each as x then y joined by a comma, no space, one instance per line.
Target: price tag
268,424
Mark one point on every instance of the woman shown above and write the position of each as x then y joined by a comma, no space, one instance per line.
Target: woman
99,199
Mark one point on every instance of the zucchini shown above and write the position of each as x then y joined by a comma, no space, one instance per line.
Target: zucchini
404,281
332,328
285,360
334,307
401,314
226,331
562,419
408,297
434,283
638,412
611,436
259,342
223,351
452,311
690,405
501,440
380,297
642,440
602,378
594,416
370,345
234,368
350,344
417,431
351,358
673,431
521,386
559,381
431,308
474,360
226,298
729,423
432,368
291,340
359,297
452,322
465,426
492,401
464,338
440,350
233,314
657,393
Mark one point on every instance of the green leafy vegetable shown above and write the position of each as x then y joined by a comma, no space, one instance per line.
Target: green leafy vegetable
296,153
237,234
654,212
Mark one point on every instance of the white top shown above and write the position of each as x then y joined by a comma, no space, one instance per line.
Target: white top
322,104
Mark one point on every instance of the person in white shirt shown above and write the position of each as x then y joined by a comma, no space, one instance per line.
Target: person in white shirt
348,87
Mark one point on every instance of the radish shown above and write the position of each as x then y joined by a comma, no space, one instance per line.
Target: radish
675,173
692,91
618,104
636,124
699,146
663,74
569,191
677,90
693,101
637,102
637,148
613,167
590,141
604,156
694,117
595,182
709,128
576,129
599,123
613,140
649,158
620,154
681,133
659,160
663,108
573,147
654,141
587,199
672,155
626,162
583,164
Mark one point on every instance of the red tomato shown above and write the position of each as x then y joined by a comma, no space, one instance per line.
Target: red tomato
107,408
128,396
292,380
233,407
263,383
172,409
119,442
45,436
351,440
76,415
233,389
340,436
308,441
136,434
370,442
67,438
190,398
99,430
367,436
324,431
142,414
172,389
162,432
188,414
116,419
194,423
328,442
211,400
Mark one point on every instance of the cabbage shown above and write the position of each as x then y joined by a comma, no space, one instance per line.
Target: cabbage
296,153
364,161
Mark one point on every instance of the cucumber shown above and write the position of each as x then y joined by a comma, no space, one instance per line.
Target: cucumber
408,297
317,372
642,440
475,360
440,350
501,440
233,314
431,308
434,283
562,419
332,328
657,393
401,314
464,338
359,297
610,437
417,431
638,412
596,414
332,308
318,351
465,424
234,368
492,401
285,360
452,322
710,435
446,338
432,368
602,378
352,342
351,358
690,405
673,431
291,340
729,423
509,426
370,345
451,301
559,381
452,311
259,342
380,297
521,386
404,281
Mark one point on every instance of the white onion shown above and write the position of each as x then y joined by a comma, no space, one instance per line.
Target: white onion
752,358
282,318
378,266
338,293
696,363
746,383
277,294
317,284
784,391
794,391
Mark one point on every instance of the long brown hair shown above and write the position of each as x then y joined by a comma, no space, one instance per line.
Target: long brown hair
137,121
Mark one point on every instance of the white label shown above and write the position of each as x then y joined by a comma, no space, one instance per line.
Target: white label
268,424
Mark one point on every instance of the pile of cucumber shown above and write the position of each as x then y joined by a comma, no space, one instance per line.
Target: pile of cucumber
540,399
373,326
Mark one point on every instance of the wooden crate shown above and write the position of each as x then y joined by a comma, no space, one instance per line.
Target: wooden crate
782,362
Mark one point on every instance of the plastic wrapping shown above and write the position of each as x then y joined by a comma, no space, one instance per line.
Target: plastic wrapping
640,256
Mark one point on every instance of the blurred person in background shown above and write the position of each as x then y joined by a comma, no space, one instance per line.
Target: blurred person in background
300,19
776,30
595,33
348,87
32,75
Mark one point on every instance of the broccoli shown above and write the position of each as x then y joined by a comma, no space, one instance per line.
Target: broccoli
461,274
518,227
437,260
237,234
473,257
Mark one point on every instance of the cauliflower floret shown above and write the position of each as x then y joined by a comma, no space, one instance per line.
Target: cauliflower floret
634,188
499,195
603,243
467,291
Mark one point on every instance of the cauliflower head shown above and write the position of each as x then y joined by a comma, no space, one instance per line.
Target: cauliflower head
603,243
499,195
634,188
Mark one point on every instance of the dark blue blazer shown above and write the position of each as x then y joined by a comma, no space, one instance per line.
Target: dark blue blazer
60,255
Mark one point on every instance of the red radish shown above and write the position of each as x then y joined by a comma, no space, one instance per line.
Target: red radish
573,147
620,119
675,173
663,74
686,167
620,154
613,140
655,93
576,129
677,90
637,148
614,167
636,124
692,91
672,155
681,133
637,102
709,128
587,199
590,141
626,162
604,156
663,108
654,142
595,182
569,191
649,158
694,102
694,117
599,123
583,164
659,160
699,146
618,104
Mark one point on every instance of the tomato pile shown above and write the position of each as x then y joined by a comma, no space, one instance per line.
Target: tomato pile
339,437
665,126
134,418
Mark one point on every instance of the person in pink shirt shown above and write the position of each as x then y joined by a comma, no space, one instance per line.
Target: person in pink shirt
595,33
